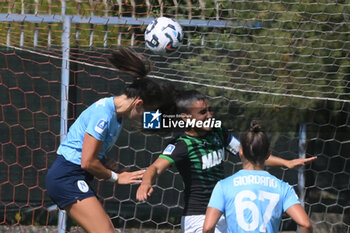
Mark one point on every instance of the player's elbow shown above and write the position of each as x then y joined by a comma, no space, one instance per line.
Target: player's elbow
86,164
207,229
305,226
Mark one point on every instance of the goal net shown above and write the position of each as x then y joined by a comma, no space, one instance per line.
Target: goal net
284,63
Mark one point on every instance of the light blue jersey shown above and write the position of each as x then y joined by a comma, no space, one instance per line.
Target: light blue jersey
100,121
253,201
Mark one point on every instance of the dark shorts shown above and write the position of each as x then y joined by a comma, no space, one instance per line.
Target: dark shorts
66,183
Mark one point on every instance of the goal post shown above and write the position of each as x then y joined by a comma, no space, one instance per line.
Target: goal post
284,63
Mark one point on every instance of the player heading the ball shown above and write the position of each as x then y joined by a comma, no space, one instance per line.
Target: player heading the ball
91,137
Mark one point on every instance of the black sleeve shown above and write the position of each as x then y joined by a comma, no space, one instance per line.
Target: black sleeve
175,152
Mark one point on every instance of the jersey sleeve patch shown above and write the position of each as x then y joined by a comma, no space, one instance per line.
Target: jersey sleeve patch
100,126
233,145
169,149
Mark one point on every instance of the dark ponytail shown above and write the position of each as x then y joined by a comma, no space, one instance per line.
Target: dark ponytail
154,95
255,144
130,62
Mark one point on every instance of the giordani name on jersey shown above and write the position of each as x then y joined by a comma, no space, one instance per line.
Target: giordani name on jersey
255,179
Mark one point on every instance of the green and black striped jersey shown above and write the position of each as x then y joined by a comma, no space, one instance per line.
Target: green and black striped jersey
200,163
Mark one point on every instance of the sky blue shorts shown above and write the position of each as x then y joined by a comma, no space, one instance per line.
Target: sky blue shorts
66,183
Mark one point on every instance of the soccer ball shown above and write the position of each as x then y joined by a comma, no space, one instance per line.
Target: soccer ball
163,35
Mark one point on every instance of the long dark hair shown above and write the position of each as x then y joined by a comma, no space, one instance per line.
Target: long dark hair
255,144
154,95
128,61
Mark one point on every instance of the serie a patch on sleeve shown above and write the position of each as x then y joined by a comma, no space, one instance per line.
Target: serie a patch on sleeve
234,145
169,149
101,126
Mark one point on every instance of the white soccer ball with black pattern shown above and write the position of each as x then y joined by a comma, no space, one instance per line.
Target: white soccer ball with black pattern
163,35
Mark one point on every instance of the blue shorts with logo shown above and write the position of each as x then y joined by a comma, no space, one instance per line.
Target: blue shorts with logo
66,183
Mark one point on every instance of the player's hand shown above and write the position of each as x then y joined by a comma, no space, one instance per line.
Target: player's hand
294,163
130,177
144,191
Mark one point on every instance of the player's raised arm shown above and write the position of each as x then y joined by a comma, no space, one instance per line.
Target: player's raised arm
275,161
158,167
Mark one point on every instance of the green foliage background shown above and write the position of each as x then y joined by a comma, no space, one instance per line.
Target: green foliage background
283,49
272,52
282,62
270,62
